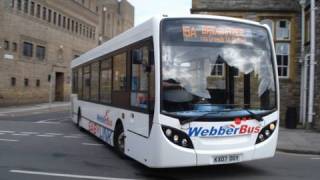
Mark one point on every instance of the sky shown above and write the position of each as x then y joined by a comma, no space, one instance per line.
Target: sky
145,9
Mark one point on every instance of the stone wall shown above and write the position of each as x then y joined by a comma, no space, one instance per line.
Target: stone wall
244,5
61,46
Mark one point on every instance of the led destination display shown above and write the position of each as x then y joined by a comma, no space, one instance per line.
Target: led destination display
215,34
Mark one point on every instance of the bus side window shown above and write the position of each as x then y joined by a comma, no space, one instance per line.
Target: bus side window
151,80
139,77
120,72
142,78
75,81
80,86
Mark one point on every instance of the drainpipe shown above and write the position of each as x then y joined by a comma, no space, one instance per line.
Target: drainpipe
312,63
304,68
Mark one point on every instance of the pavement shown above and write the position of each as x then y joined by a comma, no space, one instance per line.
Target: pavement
25,109
299,141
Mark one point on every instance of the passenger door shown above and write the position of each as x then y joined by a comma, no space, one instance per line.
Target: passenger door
142,89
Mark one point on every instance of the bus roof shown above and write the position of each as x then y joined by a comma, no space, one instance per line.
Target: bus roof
140,32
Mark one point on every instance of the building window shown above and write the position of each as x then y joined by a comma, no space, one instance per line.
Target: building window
72,26
76,27
6,45
26,82
41,52
120,72
269,23
38,10
26,6
84,30
307,29
87,32
49,15
32,8
217,68
283,30
106,81
14,47
64,22
38,83
282,39
27,49
94,84
68,25
59,20
19,5
44,13
283,59
54,17
13,81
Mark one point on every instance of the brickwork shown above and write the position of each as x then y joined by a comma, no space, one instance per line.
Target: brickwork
62,44
244,5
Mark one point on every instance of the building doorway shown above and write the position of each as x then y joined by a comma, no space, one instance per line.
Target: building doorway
59,96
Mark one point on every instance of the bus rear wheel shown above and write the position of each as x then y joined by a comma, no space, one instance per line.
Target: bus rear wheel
119,138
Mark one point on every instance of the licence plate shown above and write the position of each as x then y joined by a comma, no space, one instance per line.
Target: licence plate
226,158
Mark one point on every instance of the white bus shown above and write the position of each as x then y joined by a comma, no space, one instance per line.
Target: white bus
182,91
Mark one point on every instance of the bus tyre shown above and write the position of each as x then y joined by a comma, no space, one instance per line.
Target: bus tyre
118,139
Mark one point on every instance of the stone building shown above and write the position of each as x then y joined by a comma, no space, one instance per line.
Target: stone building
283,17
39,38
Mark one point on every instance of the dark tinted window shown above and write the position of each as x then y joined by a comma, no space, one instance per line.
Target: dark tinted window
120,72
38,83
26,82
13,81
106,81
94,84
41,52
6,45
86,83
27,49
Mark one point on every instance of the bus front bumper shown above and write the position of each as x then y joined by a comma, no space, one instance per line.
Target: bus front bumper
171,155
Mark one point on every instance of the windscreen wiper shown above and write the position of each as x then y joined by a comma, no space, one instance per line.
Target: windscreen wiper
254,115
197,117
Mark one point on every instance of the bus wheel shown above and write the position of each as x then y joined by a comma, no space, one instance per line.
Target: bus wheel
118,139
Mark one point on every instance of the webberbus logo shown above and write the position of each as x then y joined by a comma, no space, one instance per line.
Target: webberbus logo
223,131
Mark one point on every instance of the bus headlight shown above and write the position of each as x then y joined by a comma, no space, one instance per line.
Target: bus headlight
266,132
168,132
177,137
